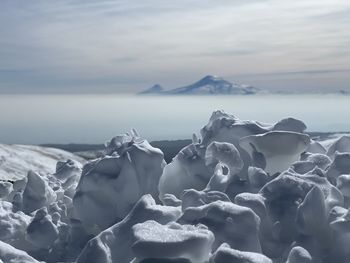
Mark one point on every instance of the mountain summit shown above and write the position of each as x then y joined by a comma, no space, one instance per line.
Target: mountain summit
154,89
209,85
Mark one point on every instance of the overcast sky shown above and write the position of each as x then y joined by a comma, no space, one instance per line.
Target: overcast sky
127,45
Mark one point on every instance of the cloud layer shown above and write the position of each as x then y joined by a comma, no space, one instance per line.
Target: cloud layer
123,46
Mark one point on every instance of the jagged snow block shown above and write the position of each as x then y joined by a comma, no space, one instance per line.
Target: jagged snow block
299,255
41,231
172,241
275,151
9,254
5,189
339,166
110,186
186,171
113,245
225,254
37,193
12,225
231,223
340,145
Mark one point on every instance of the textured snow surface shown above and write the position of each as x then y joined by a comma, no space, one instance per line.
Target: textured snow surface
16,160
242,191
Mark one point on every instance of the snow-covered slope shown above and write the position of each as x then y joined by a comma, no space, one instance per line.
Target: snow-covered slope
209,85
16,160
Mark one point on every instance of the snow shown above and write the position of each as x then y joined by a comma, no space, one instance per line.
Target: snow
299,255
9,254
172,241
275,151
242,191
236,225
225,254
114,244
16,160
110,186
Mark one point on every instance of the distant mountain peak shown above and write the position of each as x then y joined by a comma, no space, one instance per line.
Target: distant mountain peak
154,89
209,78
208,85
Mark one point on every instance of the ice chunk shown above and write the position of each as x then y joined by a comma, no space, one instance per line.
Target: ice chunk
341,145
302,167
343,184
291,186
271,246
225,153
223,127
316,147
68,173
42,232
341,239
171,200
37,193
299,255
190,169
110,186
172,241
9,254
340,165
114,244
231,223
278,149
312,217
336,212
67,169
194,198
225,254
256,202
257,178
186,171
284,194
220,179
5,189
320,160
290,124
12,225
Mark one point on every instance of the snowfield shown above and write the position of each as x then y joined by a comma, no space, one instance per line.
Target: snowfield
16,160
243,191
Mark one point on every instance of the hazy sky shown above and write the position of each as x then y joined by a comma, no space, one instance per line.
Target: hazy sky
128,45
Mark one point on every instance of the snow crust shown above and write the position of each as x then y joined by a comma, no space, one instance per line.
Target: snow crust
242,191
16,160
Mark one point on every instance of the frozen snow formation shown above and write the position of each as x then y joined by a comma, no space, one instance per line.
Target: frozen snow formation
225,254
9,254
114,244
243,191
172,241
110,186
